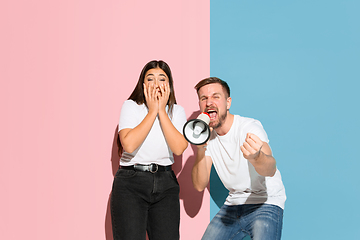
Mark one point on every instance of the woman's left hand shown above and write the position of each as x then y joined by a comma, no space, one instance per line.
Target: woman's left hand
163,96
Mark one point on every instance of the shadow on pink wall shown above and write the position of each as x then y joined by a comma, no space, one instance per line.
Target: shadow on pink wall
115,159
192,199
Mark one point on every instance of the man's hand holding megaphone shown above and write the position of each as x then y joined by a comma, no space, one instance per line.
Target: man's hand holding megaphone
206,143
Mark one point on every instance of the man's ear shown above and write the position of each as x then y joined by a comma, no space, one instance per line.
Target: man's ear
228,103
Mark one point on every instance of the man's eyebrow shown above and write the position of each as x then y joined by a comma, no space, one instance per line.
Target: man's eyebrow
215,93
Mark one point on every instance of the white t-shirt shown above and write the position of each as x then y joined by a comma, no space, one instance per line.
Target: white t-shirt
154,149
246,186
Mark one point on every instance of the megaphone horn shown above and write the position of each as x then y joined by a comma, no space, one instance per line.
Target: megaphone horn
197,131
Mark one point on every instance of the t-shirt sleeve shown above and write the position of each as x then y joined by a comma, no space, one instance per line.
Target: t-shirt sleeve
128,116
179,118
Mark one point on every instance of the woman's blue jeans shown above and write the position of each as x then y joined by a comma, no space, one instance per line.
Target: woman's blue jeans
145,202
259,221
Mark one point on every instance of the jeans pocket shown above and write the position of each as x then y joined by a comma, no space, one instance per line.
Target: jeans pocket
124,173
173,176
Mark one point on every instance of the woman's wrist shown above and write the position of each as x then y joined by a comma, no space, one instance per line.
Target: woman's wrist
162,111
152,112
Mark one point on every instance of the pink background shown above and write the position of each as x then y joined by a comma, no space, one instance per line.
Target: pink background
66,67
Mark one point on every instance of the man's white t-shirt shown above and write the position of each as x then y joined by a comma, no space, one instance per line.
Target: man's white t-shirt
154,149
238,175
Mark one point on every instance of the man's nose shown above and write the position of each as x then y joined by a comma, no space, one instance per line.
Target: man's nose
208,102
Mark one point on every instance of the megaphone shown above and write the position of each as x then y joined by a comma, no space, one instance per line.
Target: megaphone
197,131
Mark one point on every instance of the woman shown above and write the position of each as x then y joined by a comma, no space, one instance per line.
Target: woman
145,194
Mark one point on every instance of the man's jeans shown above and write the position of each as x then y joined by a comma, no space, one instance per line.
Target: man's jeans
259,221
144,201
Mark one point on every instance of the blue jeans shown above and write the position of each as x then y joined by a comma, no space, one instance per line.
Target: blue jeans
145,202
259,221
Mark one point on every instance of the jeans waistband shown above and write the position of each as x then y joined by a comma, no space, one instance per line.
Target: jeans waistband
153,168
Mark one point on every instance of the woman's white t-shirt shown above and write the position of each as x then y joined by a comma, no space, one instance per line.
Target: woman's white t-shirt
154,149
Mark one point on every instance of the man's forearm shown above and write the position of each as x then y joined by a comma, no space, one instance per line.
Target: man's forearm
264,164
200,173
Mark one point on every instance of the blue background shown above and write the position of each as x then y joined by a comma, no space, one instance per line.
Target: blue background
294,65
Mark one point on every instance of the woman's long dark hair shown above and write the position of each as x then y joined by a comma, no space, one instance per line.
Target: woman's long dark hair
138,94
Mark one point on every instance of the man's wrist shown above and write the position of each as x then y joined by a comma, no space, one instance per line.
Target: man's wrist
258,155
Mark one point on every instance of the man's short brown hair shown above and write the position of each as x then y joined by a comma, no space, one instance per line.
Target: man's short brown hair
210,80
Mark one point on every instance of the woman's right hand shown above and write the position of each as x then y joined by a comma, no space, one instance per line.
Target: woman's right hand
151,98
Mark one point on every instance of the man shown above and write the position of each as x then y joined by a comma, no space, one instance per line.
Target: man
238,147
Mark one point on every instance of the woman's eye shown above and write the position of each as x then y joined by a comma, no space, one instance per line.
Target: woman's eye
149,79
162,79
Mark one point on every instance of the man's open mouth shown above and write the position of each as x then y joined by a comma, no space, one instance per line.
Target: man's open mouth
212,113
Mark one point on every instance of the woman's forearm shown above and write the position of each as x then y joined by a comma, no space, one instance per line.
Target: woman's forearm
131,139
174,138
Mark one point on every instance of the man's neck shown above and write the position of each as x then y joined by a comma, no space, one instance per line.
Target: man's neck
225,128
